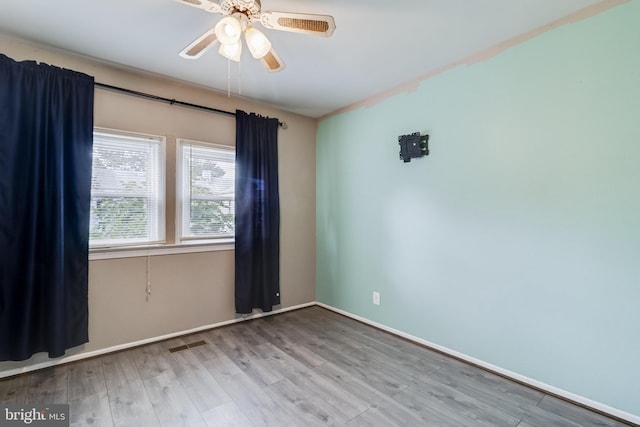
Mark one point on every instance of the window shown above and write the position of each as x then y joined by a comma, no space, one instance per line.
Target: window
206,191
127,189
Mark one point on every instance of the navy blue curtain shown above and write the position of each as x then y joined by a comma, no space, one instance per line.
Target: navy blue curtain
46,138
257,233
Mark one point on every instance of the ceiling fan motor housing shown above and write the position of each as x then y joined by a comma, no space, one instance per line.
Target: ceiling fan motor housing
249,8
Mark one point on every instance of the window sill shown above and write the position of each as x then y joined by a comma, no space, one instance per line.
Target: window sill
155,250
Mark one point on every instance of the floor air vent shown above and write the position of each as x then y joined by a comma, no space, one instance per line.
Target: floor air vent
187,346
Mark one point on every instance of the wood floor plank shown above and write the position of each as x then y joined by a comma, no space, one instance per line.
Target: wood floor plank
203,389
502,394
344,404
92,410
377,417
120,368
190,371
351,359
171,403
496,396
575,413
388,363
226,415
381,339
222,368
424,363
245,357
313,412
348,381
208,351
436,410
13,390
539,417
243,333
255,403
466,403
279,339
379,404
372,418
182,362
150,361
225,341
48,386
130,406
400,369
86,378
488,382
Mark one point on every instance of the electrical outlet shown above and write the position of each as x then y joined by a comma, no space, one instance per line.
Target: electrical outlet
376,298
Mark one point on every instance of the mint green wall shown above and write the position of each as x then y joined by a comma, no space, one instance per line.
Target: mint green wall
517,241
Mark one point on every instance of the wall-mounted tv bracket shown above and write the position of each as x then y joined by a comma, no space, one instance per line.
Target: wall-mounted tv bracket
413,146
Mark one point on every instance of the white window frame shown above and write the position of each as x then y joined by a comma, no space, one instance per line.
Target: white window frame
181,145
159,220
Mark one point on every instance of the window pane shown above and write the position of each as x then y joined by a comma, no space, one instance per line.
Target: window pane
119,218
127,193
207,189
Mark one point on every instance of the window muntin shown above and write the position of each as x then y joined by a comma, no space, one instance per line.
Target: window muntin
206,191
127,189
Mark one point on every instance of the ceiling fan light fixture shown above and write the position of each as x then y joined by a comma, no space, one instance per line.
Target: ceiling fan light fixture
238,18
228,30
231,51
259,45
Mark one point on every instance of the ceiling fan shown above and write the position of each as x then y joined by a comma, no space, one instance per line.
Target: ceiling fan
239,17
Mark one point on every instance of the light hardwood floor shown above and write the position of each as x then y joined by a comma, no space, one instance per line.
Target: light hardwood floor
303,368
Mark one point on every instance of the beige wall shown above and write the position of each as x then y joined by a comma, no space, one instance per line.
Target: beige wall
188,290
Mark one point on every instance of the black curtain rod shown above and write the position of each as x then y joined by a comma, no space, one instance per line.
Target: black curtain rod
169,101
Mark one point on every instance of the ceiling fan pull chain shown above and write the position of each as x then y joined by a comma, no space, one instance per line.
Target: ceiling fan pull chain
228,78
147,289
239,78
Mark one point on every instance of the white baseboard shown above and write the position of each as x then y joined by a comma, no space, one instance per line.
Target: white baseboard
89,354
634,419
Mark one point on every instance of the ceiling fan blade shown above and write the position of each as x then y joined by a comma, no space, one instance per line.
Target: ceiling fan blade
321,25
208,5
200,45
272,61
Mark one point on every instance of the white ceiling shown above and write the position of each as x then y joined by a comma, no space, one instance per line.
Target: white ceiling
377,45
